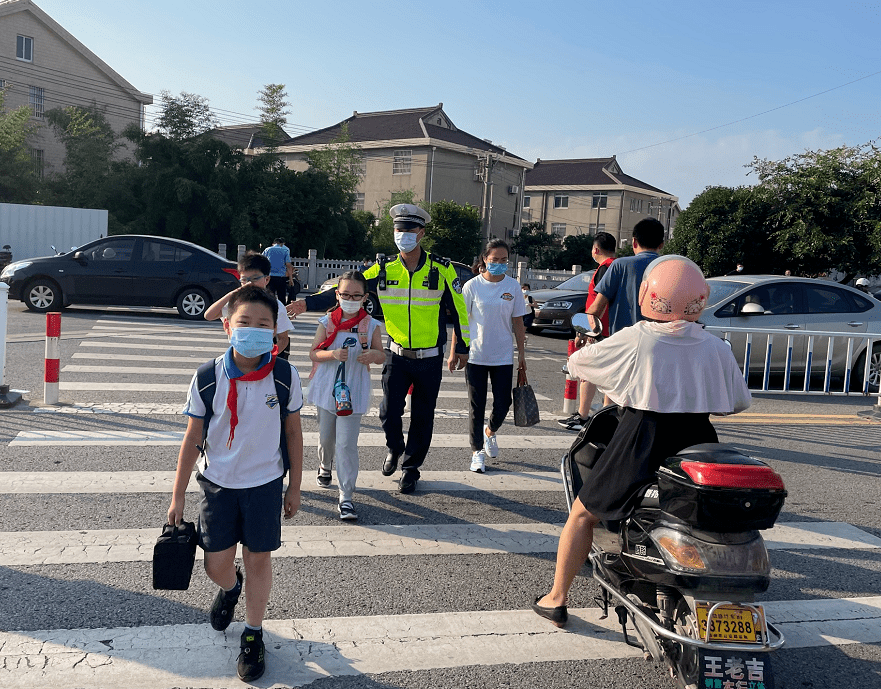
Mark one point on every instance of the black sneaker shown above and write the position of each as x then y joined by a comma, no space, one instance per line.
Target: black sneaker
572,423
407,484
224,605
323,481
252,660
347,512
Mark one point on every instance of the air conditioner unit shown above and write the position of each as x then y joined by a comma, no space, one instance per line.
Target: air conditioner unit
514,189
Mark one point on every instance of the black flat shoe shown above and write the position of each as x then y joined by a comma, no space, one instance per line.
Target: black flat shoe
558,616
390,465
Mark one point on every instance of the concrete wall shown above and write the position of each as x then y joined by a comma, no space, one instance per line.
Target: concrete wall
66,77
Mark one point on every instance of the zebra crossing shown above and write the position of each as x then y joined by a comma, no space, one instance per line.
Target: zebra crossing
442,579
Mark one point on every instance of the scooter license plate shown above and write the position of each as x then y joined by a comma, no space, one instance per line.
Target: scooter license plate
731,623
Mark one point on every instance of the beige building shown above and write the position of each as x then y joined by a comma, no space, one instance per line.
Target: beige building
589,195
42,66
423,151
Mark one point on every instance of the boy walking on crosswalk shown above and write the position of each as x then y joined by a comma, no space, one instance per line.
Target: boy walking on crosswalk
241,468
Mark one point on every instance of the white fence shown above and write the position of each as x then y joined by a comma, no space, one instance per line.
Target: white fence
835,355
541,279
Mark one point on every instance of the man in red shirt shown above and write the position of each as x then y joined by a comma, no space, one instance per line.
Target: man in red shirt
603,253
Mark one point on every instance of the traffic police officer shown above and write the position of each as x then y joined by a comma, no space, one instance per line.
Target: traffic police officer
415,289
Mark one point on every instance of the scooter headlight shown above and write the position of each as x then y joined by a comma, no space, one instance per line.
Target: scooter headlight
686,553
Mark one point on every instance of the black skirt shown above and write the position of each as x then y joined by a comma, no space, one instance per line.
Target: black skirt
641,442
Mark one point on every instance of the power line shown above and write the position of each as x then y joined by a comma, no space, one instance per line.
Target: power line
750,117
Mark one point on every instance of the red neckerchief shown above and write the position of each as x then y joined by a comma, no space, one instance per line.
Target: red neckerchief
232,397
336,319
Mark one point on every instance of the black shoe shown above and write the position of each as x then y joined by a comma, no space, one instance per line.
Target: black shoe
407,484
224,605
572,423
323,481
390,465
347,511
252,660
558,616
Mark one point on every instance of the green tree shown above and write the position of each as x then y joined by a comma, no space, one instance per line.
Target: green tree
537,246
274,110
185,116
577,249
18,183
341,160
824,209
454,231
90,145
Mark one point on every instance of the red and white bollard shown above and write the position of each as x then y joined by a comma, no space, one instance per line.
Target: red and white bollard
53,357
570,392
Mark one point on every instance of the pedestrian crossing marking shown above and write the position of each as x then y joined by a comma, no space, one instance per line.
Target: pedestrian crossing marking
74,482
32,548
174,409
143,438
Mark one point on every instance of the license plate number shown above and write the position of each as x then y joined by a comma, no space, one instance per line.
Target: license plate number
731,623
559,321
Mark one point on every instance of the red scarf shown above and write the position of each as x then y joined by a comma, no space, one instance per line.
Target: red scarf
232,397
336,320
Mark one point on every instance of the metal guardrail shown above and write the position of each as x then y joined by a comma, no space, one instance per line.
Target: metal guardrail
869,338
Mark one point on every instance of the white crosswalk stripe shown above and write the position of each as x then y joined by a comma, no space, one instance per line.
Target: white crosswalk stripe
301,650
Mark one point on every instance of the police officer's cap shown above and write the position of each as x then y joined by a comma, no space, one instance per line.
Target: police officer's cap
406,216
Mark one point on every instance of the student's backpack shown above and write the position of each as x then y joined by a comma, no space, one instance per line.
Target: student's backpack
206,384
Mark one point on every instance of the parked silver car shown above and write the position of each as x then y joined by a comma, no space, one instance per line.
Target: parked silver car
797,304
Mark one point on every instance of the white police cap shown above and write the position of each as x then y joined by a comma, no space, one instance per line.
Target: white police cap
407,212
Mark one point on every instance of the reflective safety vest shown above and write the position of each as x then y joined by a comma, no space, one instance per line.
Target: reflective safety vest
413,304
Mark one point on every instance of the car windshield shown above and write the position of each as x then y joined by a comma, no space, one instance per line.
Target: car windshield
720,290
578,283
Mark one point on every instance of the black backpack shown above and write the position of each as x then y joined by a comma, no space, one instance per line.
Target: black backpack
206,384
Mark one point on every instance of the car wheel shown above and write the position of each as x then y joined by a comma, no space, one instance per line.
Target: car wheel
192,303
42,296
874,371
372,307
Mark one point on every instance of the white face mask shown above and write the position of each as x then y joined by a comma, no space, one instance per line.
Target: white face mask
406,241
350,308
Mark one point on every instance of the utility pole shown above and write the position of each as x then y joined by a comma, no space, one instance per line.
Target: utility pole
485,168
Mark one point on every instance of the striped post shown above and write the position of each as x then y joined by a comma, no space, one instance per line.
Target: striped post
570,392
53,356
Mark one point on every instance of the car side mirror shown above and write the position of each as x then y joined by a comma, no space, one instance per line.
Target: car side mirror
80,257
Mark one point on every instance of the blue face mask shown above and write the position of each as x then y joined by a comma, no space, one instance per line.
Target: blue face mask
406,241
251,342
497,268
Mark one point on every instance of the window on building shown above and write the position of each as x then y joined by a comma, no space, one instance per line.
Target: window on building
558,229
2,84
36,100
593,228
360,165
359,202
24,48
37,157
402,162
600,199
526,201
561,201
636,205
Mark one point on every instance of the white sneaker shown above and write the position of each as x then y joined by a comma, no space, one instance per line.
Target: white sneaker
478,462
490,444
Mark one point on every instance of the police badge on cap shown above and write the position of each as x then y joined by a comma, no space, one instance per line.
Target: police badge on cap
406,215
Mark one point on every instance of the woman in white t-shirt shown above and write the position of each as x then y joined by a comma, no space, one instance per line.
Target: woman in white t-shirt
495,317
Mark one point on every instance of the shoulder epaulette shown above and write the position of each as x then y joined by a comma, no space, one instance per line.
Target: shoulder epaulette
445,262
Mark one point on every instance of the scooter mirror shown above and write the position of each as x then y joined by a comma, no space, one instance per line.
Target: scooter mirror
581,324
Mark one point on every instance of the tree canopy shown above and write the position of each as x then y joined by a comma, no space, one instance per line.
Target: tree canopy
454,230
185,116
18,183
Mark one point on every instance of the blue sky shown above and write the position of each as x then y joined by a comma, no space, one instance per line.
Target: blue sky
545,80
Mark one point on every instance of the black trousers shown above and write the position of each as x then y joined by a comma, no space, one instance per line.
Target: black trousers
278,285
398,374
500,378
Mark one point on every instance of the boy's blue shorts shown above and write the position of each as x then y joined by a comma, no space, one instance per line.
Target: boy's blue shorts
250,516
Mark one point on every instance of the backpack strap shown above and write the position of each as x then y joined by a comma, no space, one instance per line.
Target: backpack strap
281,374
206,384
363,326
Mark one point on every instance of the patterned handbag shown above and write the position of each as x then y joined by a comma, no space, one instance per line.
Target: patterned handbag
525,406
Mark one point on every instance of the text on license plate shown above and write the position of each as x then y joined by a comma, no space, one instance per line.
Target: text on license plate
730,623
558,322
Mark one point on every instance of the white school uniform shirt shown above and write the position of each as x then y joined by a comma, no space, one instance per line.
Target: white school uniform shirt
674,368
283,325
491,306
357,375
255,456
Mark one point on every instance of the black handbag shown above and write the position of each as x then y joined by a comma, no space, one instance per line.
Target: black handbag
173,557
525,406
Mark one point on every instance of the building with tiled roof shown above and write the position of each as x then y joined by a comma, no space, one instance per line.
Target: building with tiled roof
42,66
588,195
422,150
241,135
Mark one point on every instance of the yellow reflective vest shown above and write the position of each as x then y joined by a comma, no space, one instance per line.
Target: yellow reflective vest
415,304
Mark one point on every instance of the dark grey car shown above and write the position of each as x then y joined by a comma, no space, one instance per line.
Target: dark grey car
555,307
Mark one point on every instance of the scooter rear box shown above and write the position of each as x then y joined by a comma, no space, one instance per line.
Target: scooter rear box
714,487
